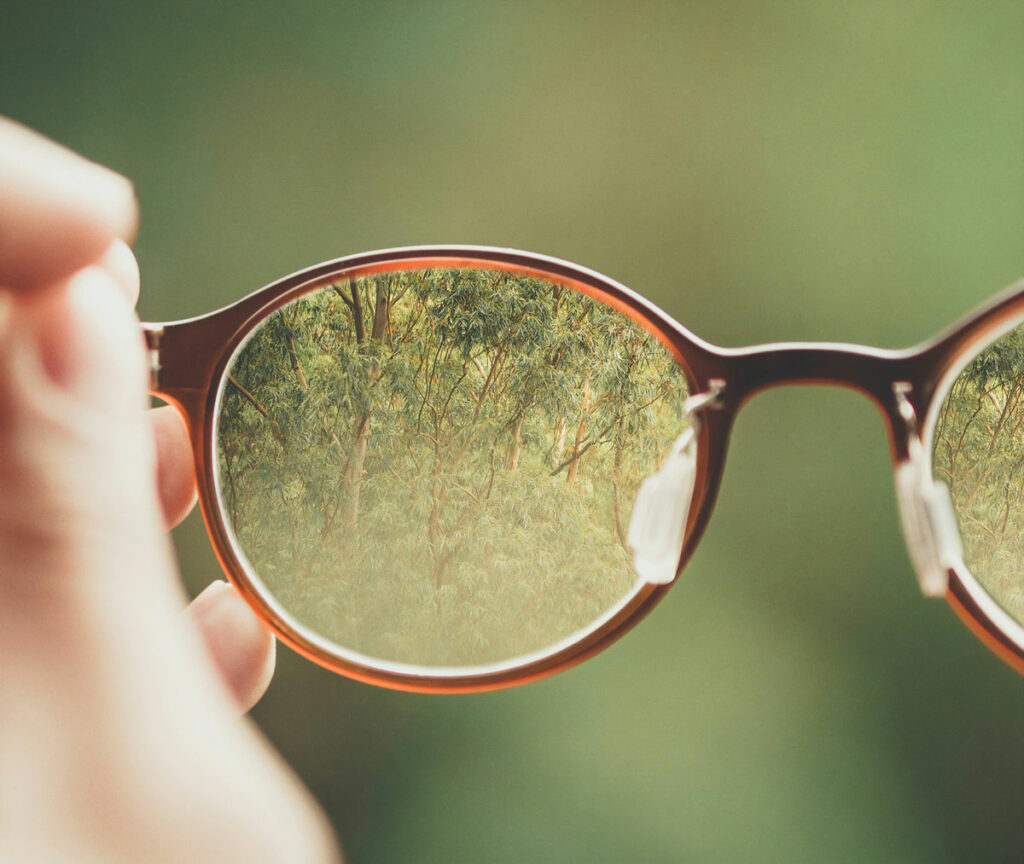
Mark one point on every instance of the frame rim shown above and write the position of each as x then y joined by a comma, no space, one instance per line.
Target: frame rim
974,604
197,352
562,654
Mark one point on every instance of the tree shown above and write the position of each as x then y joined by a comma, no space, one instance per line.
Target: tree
978,441
401,469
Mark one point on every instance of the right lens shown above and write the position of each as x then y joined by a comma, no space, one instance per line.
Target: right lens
437,466
979,453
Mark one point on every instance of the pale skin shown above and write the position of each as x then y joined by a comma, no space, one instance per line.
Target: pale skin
121,728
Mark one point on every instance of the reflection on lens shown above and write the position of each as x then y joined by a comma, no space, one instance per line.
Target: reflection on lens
437,467
979,452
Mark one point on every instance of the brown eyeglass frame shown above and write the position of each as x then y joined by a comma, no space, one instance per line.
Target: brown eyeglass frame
189,359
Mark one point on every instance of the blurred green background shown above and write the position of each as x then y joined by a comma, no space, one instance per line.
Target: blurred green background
769,171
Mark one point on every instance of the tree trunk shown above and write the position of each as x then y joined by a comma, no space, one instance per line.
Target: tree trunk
361,425
435,534
357,311
294,358
617,484
581,428
558,443
515,447
354,471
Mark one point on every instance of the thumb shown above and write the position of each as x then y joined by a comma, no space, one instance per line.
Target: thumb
79,460
113,725
86,569
89,596
90,602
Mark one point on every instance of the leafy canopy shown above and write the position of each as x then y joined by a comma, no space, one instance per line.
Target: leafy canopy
437,466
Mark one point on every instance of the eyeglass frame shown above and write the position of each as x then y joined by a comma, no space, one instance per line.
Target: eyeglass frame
189,360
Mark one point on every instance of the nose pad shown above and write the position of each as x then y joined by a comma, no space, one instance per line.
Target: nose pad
658,524
657,527
929,522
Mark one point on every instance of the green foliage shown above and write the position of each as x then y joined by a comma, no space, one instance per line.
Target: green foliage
437,466
979,452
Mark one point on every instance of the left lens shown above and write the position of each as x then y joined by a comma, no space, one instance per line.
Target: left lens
436,467
979,452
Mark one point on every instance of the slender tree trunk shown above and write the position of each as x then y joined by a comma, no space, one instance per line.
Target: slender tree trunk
436,535
617,483
356,305
515,446
294,358
233,492
354,471
252,400
581,428
381,312
558,442
1012,398
361,425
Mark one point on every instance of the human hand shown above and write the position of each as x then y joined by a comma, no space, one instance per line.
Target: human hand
119,731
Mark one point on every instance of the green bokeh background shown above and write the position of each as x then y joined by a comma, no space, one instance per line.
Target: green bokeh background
762,171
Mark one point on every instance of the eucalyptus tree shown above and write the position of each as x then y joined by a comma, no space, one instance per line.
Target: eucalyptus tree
445,458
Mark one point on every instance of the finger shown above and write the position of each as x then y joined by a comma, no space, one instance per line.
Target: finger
175,475
109,702
58,211
119,261
242,648
78,465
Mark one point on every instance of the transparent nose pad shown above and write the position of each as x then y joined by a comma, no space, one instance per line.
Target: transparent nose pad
658,524
929,522
657,527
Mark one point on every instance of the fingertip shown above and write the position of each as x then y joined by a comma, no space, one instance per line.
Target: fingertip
240,645
58,211
119,261
176,482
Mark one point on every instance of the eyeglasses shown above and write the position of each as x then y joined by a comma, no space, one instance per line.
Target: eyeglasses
463,468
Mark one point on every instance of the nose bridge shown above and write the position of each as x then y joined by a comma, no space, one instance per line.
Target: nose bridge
871,371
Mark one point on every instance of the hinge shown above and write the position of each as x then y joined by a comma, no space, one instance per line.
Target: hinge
154,335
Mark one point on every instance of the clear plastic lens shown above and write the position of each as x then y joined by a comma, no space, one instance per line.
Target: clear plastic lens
979,453
437,467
